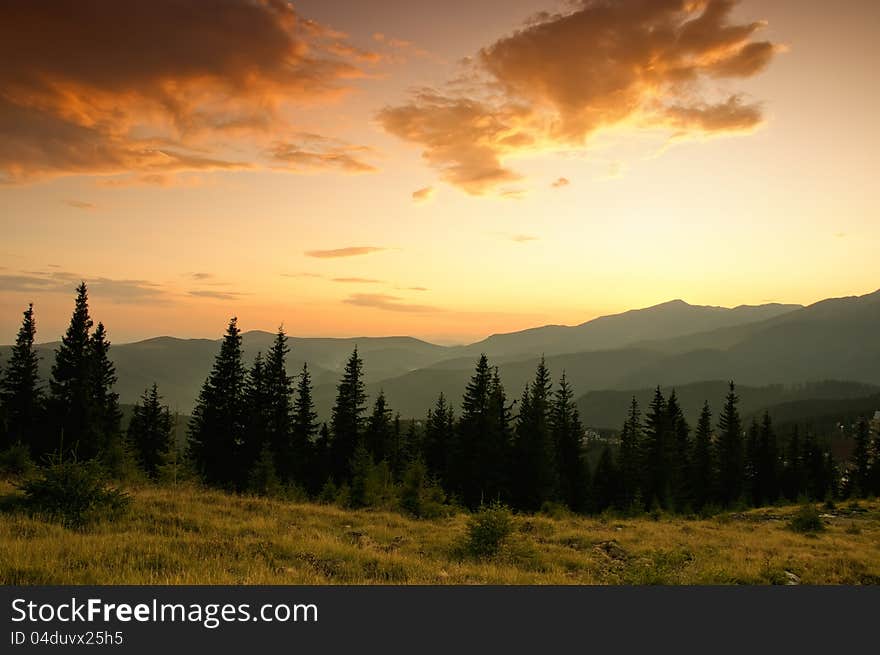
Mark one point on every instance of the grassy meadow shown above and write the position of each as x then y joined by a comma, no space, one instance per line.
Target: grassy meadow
191,535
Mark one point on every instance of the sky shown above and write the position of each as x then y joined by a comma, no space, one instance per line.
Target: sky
445,170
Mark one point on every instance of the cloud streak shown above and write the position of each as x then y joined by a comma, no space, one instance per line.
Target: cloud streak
387,302
351,251
115,290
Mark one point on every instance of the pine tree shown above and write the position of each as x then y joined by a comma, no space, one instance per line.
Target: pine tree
768,464
704,471
322,466
535,456
72,409
680,451
304,428
378,432
256,417
861,458
655,465
795,476
279,421
21,397
217,426
730,451
362,471
630,457
494,450
606,483
568,434
752,482
439,436
465,467
149,432
346,423
105,401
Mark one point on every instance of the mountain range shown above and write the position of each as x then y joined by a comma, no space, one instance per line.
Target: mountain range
671,344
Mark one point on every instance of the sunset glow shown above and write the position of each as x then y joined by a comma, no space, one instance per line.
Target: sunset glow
443,170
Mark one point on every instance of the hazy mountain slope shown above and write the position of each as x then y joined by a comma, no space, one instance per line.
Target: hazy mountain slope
180,366
414,393
607,409
667,320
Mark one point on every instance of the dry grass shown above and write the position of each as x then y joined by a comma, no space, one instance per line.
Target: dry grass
188,535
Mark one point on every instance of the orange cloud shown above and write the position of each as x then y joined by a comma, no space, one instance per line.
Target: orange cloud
108,87
564,77
423,195
560,182
352,251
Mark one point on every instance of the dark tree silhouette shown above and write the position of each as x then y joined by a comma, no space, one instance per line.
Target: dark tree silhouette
72,410
704,472
730,451
346,424
568,435
21,397
630,458
279,420
535,457
438,439
304,460
149,432
217,427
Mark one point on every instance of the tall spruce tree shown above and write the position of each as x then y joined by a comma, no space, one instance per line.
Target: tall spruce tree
105,401
149,432
467,455
704,472
21,397
217,426
494,452
346,423
73,425
730,451
655,467
606,483
255,448
379,430
680,483
279,421
794,475
751,469
438,439
630,466
568,435
535,453
862,458
304,428
768,462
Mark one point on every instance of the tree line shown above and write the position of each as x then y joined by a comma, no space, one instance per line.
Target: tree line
255,429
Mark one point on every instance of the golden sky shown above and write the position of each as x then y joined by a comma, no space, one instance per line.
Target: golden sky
445,170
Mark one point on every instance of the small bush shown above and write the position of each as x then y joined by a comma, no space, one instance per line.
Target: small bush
488,529
806,520
16,461
74,494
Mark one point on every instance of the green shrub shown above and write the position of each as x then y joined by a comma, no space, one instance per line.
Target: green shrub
74,494
487,530
806,520
16,461
419,495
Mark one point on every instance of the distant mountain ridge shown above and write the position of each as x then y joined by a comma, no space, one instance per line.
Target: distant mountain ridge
673,343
